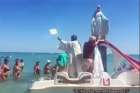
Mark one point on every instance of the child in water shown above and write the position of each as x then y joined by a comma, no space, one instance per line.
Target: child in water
37,69
21,64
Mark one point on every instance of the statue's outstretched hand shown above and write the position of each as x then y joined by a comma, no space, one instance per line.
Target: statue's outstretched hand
59,38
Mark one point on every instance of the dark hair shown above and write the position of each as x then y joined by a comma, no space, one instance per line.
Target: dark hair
6,61
17,59
21,60
73,37
37,63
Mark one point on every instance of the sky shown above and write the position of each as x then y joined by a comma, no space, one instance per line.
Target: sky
24,24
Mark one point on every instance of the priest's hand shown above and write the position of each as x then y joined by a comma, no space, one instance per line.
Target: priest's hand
59,38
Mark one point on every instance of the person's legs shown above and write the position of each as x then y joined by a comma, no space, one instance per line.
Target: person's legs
5,76
70,66
75,67
17,75
70,70
90,65
103,51
84,65
78,63
37,75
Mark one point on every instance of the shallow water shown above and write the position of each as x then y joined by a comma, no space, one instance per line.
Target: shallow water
12,86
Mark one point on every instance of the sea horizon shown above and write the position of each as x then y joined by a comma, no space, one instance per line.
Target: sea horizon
54,52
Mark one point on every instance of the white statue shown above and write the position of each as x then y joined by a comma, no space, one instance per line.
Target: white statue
99,29
99,24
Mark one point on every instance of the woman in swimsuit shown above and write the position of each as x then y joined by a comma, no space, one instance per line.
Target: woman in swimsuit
5,69
17,70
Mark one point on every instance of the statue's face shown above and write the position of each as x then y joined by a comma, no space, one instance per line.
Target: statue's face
98,9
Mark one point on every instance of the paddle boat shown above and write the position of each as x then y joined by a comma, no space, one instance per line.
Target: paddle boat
126,81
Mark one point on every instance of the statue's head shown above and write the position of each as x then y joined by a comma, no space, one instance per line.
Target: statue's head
73,37
98,8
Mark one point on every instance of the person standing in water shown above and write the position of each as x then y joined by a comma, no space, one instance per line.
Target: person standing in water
37,69
17,69
47,70
73,48
21,64
99,29
5,69
54,70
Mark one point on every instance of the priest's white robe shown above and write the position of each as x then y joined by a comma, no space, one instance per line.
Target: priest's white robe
73,48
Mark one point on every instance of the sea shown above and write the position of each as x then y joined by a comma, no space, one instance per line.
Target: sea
22,85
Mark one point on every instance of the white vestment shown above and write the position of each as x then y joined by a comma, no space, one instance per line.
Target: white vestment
73,48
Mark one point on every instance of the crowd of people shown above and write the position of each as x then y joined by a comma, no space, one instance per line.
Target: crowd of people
5,69
48,70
